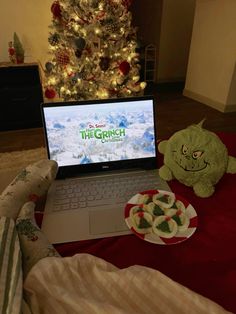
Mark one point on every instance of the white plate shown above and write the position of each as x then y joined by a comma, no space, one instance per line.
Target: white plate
150,236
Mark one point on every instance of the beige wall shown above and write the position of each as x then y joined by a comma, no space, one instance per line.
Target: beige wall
30,20
232,90
168,25
211,76
175,37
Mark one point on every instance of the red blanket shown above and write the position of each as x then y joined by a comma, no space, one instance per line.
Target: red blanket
205,263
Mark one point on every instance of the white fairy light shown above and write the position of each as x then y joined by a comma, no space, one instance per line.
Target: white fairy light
101,6
143,85
136,78
97,31
52,81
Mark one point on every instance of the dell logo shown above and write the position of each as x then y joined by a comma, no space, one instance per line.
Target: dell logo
105,167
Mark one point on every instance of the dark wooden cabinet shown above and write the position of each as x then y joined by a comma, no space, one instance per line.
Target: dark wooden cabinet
20,97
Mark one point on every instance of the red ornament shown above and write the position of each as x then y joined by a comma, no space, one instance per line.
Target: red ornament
50,93
56,9
127,3
124,67
62,57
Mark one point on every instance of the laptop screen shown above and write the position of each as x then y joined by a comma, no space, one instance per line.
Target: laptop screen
100,132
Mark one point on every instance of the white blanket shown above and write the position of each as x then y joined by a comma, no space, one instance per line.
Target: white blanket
86,284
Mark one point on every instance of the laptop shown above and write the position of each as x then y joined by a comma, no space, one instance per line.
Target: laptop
106,153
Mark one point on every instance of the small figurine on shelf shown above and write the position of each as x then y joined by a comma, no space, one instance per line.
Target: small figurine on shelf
15,50
11,52
19,50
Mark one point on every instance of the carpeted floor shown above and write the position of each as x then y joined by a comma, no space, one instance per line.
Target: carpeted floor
12,163
20,159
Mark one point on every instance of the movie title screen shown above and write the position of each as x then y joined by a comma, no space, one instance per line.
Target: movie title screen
86,134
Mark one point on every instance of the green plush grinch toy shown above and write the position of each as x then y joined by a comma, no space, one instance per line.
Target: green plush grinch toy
196,157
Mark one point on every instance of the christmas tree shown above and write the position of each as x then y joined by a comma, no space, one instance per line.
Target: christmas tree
94,51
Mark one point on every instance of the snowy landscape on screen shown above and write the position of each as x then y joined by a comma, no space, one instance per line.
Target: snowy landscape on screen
84,134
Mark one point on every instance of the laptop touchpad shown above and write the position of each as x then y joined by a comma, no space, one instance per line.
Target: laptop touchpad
107,221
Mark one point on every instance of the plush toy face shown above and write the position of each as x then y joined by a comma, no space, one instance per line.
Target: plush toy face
195,154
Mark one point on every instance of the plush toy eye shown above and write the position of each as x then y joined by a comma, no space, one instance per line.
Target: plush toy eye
197,154
184,150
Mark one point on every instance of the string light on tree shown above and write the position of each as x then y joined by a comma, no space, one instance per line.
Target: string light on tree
93,51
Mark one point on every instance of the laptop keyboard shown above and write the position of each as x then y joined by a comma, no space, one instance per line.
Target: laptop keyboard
95,191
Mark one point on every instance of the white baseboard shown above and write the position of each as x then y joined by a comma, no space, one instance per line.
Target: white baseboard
209,102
